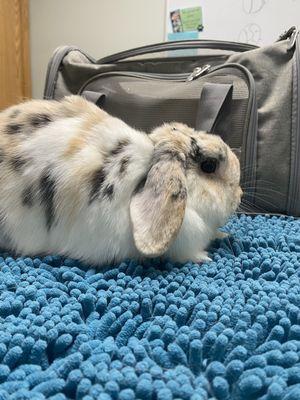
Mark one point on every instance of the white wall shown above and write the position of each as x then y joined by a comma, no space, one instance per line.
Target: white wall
102,27
253,21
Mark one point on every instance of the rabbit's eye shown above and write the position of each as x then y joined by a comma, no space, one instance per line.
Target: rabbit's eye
209,166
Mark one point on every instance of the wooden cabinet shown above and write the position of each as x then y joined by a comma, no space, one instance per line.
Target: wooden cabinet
15,82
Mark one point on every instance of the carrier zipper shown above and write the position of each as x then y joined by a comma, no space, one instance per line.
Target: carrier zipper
181,77
198,71
249,173
140,75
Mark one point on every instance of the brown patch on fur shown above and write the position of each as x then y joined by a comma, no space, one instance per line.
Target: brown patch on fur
19,119
73,106
75,145
182,139
92,117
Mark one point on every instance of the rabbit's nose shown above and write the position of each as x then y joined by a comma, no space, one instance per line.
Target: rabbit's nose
240,193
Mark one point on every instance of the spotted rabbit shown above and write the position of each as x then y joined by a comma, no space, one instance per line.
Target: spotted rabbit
76,181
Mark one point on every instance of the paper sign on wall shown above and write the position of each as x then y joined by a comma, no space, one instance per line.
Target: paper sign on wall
184,19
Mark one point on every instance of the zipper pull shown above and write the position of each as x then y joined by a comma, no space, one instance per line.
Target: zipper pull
287,34
293,39
198,71
290,34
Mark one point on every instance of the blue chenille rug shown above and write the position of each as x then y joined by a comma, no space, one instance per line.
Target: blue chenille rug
228,330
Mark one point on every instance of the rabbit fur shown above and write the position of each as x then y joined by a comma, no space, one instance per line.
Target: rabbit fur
79,182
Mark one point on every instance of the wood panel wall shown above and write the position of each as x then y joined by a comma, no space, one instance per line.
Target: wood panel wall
15,83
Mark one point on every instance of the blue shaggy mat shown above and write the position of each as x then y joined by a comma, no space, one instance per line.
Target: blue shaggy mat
226,330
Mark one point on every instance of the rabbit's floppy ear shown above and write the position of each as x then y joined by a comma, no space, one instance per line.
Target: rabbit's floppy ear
157,208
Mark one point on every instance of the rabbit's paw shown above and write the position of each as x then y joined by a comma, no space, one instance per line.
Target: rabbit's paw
202,257
221,235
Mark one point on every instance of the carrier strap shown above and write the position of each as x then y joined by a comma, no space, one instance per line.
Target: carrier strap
97,98
214,107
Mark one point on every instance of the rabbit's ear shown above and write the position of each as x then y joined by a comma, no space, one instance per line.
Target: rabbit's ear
157,208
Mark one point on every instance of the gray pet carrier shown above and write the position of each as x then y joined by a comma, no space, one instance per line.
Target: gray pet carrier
248,95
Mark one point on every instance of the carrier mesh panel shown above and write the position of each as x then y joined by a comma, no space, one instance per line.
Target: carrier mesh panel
145,103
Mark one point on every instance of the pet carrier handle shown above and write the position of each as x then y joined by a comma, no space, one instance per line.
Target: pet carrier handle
97,98
214,106
178,45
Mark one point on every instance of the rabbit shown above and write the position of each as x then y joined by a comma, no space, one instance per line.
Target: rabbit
78,182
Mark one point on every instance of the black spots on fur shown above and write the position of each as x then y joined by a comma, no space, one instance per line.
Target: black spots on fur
140,185
18,162
167,154
28,196
35,121
124,161
194,144
47,192
100,186
40,120
124,164
198,155
97,181
119,147
180,195
108,191
222,156
13,129
2,155
195,153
